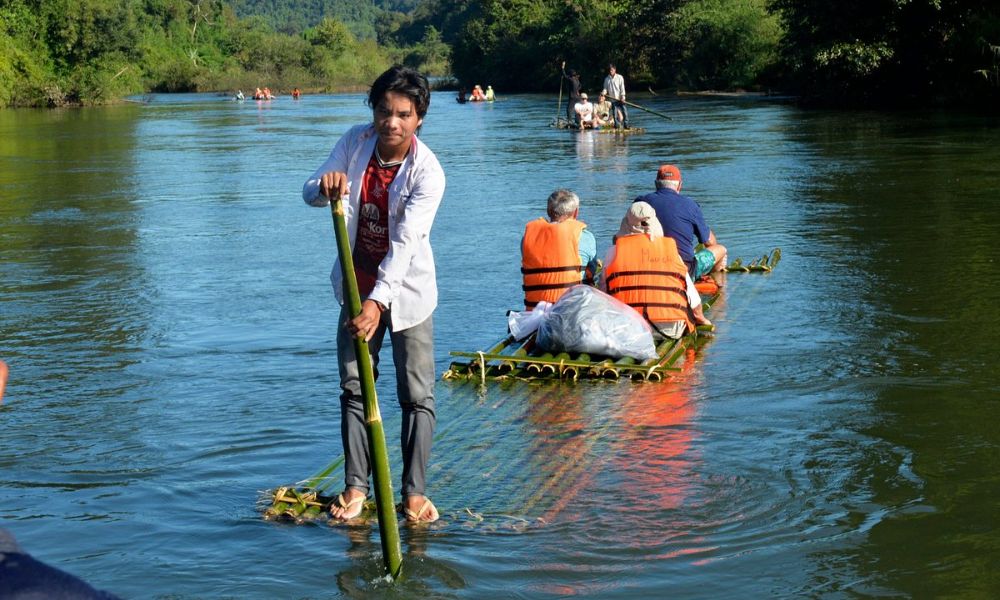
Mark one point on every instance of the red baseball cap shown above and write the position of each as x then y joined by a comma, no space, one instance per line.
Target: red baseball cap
668,173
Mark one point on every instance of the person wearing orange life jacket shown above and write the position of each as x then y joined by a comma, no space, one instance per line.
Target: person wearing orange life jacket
557,253
644,270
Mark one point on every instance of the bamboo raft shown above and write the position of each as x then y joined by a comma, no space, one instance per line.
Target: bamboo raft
563,124
305,503
509,359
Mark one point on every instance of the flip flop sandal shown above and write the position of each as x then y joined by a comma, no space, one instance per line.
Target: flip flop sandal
352,509
418,515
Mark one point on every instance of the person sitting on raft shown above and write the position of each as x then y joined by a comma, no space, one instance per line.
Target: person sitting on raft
477,94
557,253
602,110
682,220
584,110
644,270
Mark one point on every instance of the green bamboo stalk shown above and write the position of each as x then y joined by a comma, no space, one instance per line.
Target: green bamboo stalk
573,371
650,364
676,352
316,481
621,364
558,365
468,368
392,555
649,110
521,351
535,365
482,367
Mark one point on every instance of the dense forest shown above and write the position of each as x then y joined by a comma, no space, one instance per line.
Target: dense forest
296,16
895,52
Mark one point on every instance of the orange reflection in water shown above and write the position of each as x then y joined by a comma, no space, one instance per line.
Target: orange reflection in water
641,435
653,456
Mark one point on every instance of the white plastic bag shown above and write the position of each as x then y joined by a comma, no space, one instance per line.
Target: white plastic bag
586,319
522,324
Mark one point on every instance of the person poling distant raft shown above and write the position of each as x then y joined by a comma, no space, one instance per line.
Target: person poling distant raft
393,185
574,93
614,85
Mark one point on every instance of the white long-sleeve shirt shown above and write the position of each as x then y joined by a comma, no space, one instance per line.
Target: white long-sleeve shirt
615,86
406,280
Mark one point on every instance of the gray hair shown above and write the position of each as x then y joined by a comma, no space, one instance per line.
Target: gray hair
562,204
667,183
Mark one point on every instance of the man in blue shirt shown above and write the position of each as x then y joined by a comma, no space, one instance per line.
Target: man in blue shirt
682,219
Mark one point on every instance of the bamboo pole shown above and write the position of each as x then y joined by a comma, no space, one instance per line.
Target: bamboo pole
558,364
659,114
392,556
559,105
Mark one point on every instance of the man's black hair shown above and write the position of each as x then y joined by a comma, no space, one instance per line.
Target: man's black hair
405,81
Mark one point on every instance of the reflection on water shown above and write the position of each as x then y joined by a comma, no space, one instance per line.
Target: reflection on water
166,314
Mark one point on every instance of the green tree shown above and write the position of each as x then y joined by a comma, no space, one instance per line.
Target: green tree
895,51
723,44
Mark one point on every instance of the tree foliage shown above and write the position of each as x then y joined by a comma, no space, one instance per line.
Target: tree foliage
58,52
295,16
891,51
90,51
666,43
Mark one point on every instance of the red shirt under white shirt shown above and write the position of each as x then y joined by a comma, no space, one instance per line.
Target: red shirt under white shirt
372,241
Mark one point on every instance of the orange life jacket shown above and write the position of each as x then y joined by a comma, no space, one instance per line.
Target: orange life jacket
648,275
550,259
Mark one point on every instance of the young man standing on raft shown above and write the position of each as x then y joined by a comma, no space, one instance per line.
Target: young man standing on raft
682,219
393,185
614,85
557,253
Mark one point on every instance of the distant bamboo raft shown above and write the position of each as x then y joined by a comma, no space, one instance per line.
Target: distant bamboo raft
510,359
563,124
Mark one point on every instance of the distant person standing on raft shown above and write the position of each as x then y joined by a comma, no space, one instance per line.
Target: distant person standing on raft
614,85
393,186
574,94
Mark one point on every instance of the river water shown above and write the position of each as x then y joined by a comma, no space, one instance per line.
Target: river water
168,322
